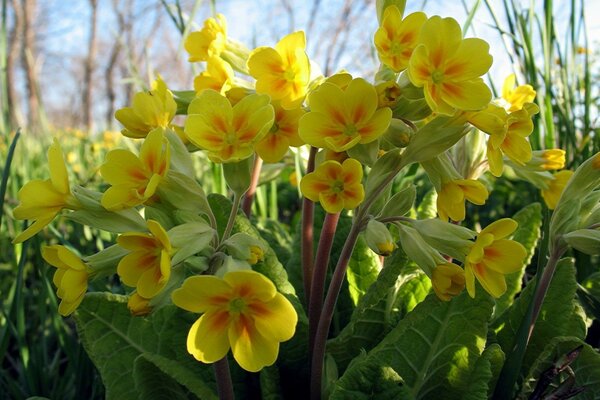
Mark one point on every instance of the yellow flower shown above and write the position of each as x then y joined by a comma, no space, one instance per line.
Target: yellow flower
334,185
138,305
71,277
153,109
547,160
448,280
449,67
243,311
209,41
218,76
148,266
396,38
134,179
282,135
42,200
552,194
388,93
451,199
513,143
282,72
492,256
342,118
516,97
228,133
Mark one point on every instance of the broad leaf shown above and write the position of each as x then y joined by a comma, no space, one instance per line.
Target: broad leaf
363,269
152,383
482,381
433,350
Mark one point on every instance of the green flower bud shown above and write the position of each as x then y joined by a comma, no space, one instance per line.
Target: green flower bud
189,239
450,239
418,250
584,240
379,239
401,203
238,175
244,247
398,133
183,192
230,264
381,5
365,153
104,263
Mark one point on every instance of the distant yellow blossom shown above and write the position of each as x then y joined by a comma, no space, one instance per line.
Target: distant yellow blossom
42,200
448,280
451,198
218,76
492,256
228,133
340,119
517,96
148,266
70,278
282,72
552,194
243,311
449,67
283,134
209,41
336,186
396,38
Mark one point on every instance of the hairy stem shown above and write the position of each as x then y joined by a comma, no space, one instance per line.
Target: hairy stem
232,215
249,197
306,239
223,378
317,289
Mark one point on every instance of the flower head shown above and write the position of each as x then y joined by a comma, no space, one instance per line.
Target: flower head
283,134
218,76
148,266
42,200
209,41
334,185
396,38
492,256
153,109
138,305
228,133
448,280
282,72
134,179
243,311
552,193
451,199
339,118
449,67
70,278
516,96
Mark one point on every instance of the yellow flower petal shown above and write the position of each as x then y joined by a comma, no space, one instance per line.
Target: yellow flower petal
207,339
250,282
505,256
58,169
202,293
275,319
250,349
501,228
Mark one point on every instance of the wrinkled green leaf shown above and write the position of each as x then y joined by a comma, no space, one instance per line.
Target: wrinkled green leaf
482,378
363,269
433,350
270,385
151,383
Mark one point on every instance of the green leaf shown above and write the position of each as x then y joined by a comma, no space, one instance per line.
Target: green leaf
558,316
363,269
270,385
482,378
586,367
411,289
433,350
278,238
528,233
589,295
427,207
151,383
114,340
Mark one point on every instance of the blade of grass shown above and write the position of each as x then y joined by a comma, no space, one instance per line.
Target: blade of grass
6,172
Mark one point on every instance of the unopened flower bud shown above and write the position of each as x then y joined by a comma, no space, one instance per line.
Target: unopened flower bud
138,305
448,280
379,239
398,133
584,240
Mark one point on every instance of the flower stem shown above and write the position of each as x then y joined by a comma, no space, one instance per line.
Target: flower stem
319,273
318,353
306,238
223,378
232,215
249,197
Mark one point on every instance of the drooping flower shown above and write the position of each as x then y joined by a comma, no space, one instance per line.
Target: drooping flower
134,179
70,278
243,311
552,193
218,76
516,96
282,72
148,266
396,38
228,133
513,143
138,305
492,256
42,200
342,118
283,134
449,67
208,42
448,280
334,185
150,110
451,198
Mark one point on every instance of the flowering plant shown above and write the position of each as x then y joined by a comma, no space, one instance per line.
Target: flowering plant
383,290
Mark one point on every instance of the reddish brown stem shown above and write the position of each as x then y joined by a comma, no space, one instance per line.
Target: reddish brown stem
249,197
306,238
317,289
